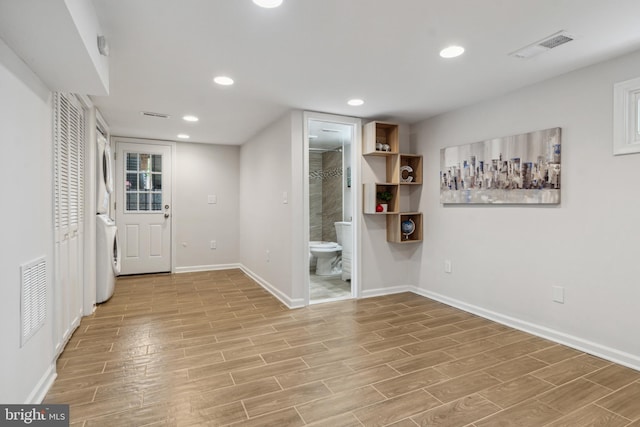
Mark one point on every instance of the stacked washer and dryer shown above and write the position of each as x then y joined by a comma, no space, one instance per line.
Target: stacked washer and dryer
107,250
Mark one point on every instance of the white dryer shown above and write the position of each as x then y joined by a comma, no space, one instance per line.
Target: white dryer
108,254
105,175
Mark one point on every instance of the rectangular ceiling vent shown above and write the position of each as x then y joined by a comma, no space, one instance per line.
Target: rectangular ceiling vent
550,42
156,115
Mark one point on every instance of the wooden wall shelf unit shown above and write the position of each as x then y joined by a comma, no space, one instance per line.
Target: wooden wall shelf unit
371,198
402,169
405,169
394,227
374,133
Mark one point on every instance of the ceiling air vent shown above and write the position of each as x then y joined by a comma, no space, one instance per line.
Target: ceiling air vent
157,115
550,42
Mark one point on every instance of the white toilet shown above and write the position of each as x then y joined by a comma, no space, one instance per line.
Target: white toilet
327,255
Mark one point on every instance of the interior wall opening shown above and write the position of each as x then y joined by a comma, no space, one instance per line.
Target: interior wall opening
330,210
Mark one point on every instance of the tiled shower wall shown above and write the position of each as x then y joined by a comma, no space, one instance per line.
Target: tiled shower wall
315,196
325,194
331,194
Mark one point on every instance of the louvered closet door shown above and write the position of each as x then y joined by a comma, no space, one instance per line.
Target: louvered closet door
69,141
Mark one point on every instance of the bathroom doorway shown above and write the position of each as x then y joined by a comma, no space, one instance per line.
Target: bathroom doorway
331,195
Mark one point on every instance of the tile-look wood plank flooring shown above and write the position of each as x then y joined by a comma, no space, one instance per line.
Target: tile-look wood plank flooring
213,348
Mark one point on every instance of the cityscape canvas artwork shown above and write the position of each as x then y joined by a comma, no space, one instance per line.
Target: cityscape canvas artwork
518,169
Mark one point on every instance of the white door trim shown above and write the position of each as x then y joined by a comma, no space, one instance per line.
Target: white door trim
115,140
356,152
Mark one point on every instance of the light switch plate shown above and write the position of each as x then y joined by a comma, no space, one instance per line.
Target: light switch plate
447,266
212,199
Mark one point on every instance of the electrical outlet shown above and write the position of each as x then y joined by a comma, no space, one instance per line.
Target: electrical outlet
447,266
558,294
268,256
213,244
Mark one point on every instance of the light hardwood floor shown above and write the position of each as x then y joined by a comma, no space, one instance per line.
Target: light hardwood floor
214,348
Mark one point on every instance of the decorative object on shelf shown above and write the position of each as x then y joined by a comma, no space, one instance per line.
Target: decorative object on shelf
407,227
518,169
384,197
380,208
405,173
383,147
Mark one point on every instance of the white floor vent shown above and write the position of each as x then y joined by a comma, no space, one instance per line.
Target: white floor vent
33,297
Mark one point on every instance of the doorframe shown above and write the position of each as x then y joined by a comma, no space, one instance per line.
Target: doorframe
356,200
115,141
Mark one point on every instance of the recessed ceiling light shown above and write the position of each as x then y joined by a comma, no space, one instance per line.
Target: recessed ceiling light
451,51
223,80
269,4
183,136
190,118
355,102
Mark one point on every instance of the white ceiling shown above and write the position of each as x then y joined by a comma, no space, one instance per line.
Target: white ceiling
328,136
317,54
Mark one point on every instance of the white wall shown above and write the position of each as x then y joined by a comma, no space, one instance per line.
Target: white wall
203,170
26,176
386,267
266,223
506,259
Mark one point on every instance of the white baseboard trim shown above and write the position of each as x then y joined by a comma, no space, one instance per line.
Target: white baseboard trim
289,302
40,390
213,267
599,350
369,293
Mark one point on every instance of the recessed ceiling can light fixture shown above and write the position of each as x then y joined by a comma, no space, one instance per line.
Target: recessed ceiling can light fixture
269,4
183,136
189,118
355,102
223,80
451,51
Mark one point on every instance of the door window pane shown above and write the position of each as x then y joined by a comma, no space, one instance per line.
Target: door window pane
157,163
144,201
157,202
132,201
145,164
157,182
132,181
143,186
132,161
145,181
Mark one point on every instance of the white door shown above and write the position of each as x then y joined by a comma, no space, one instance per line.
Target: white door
69,162
143,207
